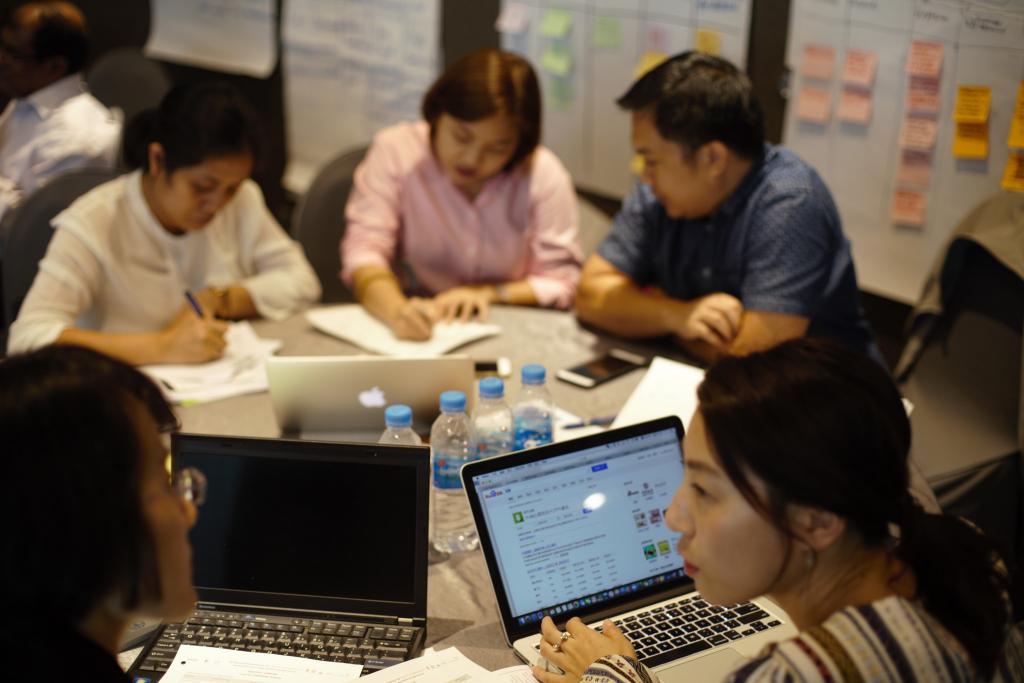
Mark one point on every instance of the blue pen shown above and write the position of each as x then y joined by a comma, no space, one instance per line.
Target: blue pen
606,420
194,303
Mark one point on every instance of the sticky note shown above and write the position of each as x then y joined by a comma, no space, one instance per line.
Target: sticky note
657,38
859,68
514,18
854,106
637,165
925,59
923,95
972,104
560,94
970,141
1016,137
556,23
918,133
607,32
814,105
557,60
648,61
915,168
908,208
1013,176
708,41
819,61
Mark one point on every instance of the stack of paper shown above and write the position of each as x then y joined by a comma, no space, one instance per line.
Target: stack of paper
241,370
668,388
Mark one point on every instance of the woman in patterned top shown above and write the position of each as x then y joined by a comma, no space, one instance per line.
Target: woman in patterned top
796,487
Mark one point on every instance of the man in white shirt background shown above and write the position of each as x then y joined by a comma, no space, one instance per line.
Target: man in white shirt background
51,123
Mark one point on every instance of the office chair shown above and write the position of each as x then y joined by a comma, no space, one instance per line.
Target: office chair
595,224
27,232
319,222
127,79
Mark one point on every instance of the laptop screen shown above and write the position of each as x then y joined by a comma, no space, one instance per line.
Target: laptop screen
308,524
584,527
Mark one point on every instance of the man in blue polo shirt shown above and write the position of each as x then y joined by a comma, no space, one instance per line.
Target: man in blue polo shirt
729,244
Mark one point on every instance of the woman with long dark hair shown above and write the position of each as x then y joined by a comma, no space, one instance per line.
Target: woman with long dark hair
795,487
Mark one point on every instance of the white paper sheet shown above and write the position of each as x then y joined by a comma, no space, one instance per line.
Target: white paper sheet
198,664
512,674
446,666
668,388
241,370
234,36
352,323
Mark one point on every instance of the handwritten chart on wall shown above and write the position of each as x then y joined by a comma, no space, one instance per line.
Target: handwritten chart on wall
587,52
352,67
905,108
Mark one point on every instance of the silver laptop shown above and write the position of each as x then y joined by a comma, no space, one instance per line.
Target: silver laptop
577,528
342,398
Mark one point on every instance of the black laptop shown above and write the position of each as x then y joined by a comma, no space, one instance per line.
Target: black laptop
304,548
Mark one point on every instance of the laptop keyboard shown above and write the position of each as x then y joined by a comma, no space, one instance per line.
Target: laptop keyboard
372,645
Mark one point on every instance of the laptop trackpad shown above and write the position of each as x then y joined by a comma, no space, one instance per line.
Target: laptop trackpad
712,667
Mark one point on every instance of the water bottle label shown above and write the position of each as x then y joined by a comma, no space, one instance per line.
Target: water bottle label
531,438
446,473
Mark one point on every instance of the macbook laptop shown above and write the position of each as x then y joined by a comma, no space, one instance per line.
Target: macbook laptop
343,397
304,548
577,528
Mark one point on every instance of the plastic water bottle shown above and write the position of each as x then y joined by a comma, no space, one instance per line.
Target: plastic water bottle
533,413
492,419
452,444
398,419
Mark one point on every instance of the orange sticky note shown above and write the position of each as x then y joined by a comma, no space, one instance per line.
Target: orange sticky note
908,208
1013,176
648,61
708,41
972,104
819,61
854,106
971,141
1016,137
859,68
925,59
814,105
923,95
918,133
915,168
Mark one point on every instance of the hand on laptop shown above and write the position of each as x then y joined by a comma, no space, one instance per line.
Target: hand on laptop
582,648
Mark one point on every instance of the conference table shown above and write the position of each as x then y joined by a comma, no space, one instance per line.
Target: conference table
460,607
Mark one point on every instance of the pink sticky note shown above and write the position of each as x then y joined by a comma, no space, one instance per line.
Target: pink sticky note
925,59
859,68
923,95
918,133
854,106
814,105
908,208
915,168
657,38
819,60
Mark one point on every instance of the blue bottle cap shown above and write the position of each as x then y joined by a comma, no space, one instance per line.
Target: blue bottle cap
398,415
492,387
533,374
453,401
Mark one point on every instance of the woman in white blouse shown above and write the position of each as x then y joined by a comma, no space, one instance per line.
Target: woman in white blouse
188,220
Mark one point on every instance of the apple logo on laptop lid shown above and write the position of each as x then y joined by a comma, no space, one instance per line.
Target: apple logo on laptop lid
373,398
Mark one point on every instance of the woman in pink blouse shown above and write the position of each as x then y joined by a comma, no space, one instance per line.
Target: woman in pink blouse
465,208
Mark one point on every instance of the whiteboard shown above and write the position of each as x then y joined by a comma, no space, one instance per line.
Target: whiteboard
983,44
584,66
350,68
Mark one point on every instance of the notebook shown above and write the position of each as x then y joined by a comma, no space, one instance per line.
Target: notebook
343,397
577,528
305,548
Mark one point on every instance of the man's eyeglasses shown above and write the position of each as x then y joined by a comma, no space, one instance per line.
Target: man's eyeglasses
190,484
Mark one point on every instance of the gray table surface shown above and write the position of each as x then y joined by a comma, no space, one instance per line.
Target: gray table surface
460,604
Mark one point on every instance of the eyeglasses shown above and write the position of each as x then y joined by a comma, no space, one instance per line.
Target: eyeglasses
190,484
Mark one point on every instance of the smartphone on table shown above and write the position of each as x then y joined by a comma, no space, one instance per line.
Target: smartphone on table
597,371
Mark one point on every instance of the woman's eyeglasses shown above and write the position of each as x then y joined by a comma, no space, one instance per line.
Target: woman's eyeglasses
190,484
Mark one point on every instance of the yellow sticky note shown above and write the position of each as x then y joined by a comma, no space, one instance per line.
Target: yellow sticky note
1016,137
637,165
648,61
971,141
1013,176
607,32
556,60
908,208
972,104
556,23
708,41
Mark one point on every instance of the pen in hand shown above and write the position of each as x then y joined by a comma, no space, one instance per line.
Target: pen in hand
194,303
601,421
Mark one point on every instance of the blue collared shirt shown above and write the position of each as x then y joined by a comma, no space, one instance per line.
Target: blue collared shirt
776,244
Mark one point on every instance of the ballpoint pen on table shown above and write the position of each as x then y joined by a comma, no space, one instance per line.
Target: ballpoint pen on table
601,421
